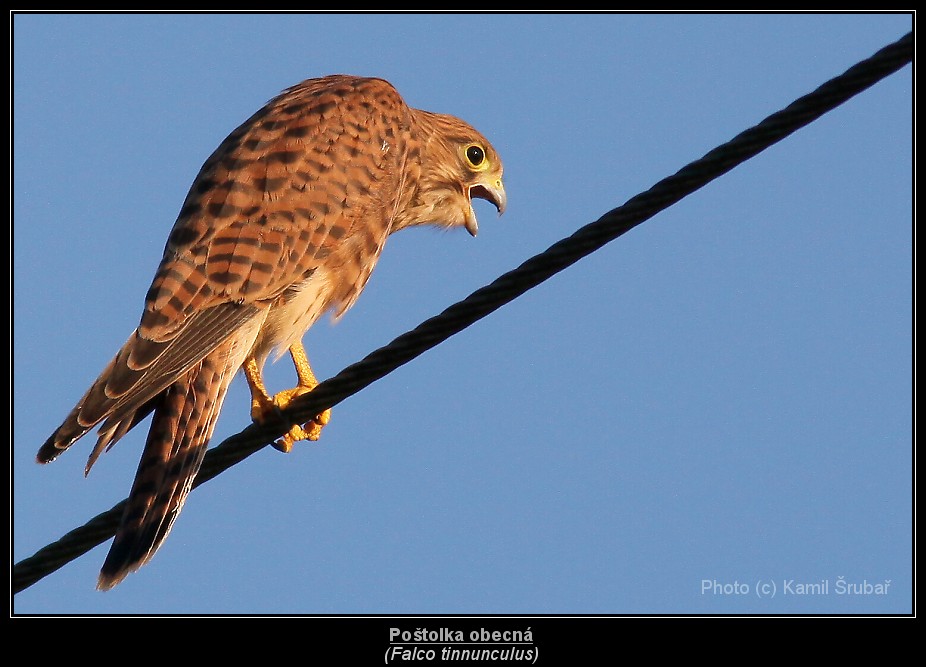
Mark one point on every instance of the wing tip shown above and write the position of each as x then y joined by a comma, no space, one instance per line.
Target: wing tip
52,448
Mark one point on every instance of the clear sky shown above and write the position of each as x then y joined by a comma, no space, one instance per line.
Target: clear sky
722,396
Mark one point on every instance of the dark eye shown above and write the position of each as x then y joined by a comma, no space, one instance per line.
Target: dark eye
475,155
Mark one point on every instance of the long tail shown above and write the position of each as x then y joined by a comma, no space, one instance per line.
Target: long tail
184,417
183,378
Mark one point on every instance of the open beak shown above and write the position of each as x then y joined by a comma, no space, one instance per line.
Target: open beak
494,193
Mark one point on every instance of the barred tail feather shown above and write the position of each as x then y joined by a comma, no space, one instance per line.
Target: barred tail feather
183,422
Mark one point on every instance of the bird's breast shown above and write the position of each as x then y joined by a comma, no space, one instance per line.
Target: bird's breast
292,314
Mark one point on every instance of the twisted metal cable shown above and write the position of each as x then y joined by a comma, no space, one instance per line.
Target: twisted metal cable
507,287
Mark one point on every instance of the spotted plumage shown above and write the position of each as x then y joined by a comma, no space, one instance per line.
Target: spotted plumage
284,222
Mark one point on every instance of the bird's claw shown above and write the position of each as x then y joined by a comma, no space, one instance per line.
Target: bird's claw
311,430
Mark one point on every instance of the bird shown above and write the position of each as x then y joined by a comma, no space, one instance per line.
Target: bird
284,222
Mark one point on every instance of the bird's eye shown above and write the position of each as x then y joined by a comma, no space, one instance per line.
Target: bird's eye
475,155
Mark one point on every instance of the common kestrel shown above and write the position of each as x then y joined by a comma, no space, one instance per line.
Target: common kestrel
284,222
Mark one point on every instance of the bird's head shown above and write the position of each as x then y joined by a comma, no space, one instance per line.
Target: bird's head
458,165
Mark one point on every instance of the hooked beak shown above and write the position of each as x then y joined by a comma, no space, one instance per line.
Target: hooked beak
494,193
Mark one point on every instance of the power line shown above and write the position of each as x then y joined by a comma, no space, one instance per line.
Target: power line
507,287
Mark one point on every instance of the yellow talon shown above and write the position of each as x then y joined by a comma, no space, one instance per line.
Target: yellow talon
262,405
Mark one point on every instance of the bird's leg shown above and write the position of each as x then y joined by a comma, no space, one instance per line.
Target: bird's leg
262,404
307,382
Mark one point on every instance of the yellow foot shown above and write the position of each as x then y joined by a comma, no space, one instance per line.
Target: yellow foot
263,406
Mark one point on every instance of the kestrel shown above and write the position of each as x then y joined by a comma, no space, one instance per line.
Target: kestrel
284,222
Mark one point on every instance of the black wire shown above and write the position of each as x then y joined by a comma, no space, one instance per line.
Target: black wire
507,287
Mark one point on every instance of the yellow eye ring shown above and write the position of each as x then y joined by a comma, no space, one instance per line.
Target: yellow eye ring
475,156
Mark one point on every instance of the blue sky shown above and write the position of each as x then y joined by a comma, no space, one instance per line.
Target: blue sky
723,395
